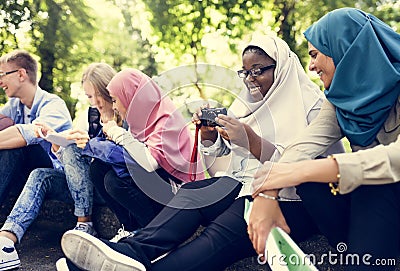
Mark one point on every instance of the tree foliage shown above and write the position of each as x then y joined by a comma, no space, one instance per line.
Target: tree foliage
68,34
139,54
61,34
181,25
13,14
293,17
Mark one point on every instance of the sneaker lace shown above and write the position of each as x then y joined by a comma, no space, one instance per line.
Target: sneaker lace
121,233
85,228
81,227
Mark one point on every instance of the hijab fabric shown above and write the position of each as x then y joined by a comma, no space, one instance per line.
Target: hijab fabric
154,120
366,84
283,111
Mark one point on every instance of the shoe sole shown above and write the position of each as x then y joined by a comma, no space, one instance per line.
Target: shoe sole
10,265
91,254
61,265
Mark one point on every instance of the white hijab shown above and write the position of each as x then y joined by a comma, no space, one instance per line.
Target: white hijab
283,112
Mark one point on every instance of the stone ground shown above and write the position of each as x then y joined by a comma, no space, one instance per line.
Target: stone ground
40,247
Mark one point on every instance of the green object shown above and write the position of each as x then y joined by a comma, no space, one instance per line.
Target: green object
292,257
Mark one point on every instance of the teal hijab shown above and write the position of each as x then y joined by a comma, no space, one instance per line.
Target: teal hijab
366,84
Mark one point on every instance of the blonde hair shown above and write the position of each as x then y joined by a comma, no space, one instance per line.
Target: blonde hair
99,75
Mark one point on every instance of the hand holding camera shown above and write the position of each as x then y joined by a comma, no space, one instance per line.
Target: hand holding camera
204,118
234,130
228,127
208,116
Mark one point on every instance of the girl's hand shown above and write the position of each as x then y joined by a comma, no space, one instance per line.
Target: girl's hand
196,119
275,176
233,130
108,125
265,215
280,175
208,134
81,137
45,129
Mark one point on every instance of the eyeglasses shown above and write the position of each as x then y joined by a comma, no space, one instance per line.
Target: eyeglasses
254,72
2,74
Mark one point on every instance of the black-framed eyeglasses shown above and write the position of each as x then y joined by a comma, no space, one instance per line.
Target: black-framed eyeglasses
5,73
254,72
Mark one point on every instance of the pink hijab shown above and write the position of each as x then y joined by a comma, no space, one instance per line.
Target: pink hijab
154,120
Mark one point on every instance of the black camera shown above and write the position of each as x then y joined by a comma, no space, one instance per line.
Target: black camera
208,116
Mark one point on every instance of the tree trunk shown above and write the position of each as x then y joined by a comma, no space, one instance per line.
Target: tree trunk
46,48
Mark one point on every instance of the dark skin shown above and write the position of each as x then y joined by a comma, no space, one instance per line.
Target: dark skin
265,80
235,131
243,135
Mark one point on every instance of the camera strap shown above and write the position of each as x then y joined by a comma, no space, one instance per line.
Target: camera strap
193,159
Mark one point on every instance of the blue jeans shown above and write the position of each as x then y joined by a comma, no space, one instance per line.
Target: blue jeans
17,164
71,186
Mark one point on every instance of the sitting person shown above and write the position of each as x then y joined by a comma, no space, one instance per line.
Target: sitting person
20,150
72,184
358,62
162,153
279,101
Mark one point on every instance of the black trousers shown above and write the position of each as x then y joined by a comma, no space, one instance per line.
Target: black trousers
366,221
17,164
125,196
212,203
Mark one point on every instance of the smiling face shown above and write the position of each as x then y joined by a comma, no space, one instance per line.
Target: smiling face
259,85
10,82
322,65
118,107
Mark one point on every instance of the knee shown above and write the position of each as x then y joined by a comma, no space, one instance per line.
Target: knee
73,155
40,175
95,173
71,151
10,154
112,183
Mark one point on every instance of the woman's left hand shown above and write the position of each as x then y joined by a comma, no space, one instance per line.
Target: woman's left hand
275,176
233,130
108,125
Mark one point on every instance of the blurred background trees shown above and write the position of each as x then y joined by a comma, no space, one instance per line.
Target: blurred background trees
156,36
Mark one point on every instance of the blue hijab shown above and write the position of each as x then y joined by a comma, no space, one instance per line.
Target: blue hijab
366,84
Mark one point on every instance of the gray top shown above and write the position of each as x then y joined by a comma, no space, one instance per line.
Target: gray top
378,163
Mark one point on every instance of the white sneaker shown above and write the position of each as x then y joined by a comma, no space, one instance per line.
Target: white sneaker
85,227
8,255
122,233
90,253
61,264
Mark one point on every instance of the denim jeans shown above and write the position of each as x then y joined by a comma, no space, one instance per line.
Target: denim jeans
71,186
17,164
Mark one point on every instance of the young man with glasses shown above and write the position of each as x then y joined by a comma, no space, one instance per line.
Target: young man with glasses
20,150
